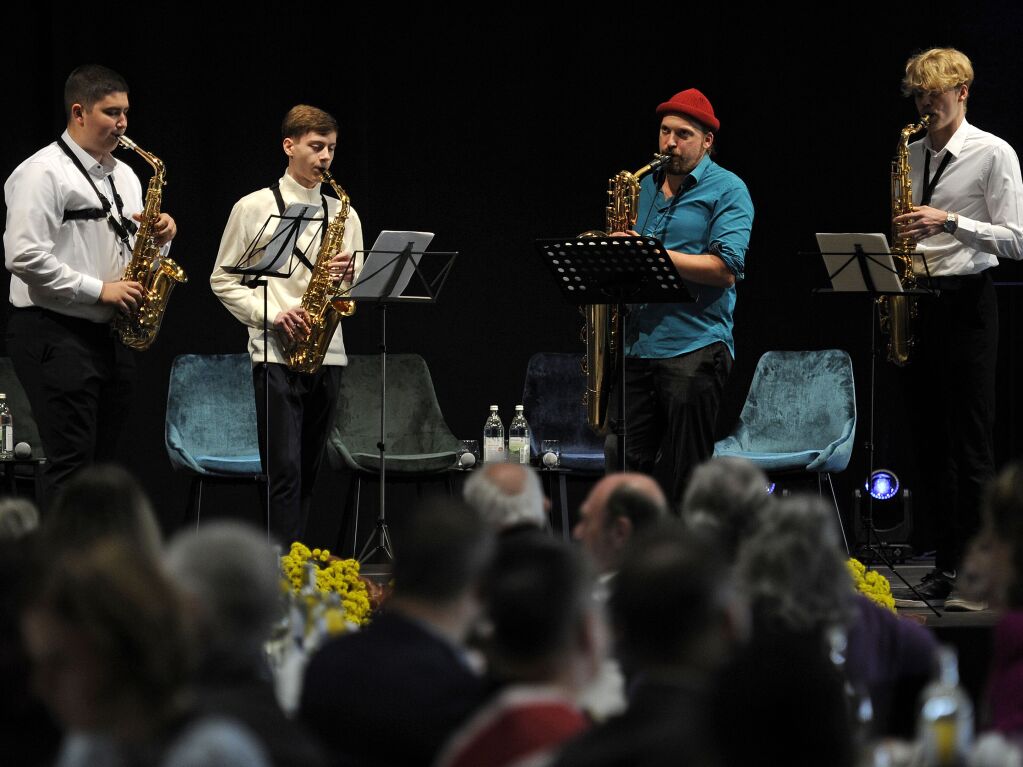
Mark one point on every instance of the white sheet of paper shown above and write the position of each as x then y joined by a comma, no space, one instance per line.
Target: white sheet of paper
378,266
881,267
282,244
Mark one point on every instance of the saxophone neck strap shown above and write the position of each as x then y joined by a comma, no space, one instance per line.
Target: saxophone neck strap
121,226
275,187
929,183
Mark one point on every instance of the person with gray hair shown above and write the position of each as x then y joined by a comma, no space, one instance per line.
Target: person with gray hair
793,570
230,578
724,498
508,496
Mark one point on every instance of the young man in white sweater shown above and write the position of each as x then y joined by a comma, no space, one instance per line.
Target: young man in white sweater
301,405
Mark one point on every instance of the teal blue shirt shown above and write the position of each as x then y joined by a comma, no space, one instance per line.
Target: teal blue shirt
712,213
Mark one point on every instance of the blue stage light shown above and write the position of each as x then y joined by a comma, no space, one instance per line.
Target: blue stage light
882,485
770,488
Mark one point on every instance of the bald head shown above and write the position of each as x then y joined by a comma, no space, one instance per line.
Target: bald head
507,495
617,507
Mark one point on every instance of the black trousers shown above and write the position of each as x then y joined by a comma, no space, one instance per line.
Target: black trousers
302,408
671,407
952,395
79,380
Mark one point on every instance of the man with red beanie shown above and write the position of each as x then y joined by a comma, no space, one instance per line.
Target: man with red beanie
678,356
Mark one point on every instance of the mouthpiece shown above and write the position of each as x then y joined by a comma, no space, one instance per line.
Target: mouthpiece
126,142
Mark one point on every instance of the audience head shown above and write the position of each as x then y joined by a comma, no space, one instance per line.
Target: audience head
507,495
18,518
230,578
618,506
442,553
97,502
672,605
105,631
793,568
546,626
993,567
725,497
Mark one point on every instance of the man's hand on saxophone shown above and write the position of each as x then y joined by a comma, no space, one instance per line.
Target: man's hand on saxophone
294,323
341,264
123,294
922,222
164,230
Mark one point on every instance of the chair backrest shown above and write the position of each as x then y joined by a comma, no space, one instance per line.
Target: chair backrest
25,429
799,399
553,401
415,424
211,408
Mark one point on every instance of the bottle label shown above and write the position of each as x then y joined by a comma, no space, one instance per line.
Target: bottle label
518,449
8,440
493,449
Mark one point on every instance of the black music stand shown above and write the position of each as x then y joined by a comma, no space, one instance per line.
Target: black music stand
384,277
862,263
616,270
267,257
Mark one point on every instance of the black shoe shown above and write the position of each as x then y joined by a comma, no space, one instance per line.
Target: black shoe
935,588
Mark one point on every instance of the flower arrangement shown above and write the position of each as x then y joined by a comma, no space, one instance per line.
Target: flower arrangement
871,584
333,576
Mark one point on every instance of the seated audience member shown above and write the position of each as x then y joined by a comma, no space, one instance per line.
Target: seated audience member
230,580
725,497
393,693
675,619
793,570
105,631
994,574
508,496
617,507
99,501
547,641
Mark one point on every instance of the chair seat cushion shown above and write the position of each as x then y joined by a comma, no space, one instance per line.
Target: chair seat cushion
583,461
415,463
234,465
766,461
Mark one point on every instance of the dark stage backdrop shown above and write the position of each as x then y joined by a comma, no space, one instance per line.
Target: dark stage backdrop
494,131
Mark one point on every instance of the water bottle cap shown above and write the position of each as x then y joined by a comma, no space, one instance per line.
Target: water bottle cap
518,407
493,408
2,395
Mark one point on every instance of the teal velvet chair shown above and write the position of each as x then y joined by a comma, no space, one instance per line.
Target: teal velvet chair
420,446
210,429
552,397
799,415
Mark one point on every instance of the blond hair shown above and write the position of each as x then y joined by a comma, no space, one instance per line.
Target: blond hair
937,69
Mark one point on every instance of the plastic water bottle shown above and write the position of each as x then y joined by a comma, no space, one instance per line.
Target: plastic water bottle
493,437
518,437
945,725
6,429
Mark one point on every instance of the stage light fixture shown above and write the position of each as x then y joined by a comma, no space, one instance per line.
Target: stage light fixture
882,485
770,488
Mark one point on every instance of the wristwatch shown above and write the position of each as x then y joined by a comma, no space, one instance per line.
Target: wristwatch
951,222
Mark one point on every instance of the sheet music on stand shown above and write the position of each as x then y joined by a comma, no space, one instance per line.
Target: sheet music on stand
390,265
278,254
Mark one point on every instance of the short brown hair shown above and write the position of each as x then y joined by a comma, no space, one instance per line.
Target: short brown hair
303,119
90,83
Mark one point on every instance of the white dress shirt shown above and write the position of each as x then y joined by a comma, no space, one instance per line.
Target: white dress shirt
62,265
982,184
248,216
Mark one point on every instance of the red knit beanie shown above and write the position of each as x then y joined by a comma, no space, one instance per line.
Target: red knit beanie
693,104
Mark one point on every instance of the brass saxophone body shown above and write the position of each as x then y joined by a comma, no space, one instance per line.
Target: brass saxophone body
603,327
157,275
896,313
324,312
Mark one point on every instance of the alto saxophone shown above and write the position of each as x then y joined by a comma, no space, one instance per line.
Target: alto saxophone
157,275
602,330
896,313
323,308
